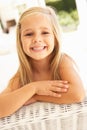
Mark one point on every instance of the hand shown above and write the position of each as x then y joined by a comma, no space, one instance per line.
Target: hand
52,88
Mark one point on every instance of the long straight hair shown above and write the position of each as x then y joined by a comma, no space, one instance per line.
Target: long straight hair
25,70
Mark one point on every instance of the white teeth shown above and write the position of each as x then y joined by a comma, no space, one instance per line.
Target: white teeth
38,48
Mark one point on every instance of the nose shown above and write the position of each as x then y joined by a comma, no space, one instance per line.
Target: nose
37,38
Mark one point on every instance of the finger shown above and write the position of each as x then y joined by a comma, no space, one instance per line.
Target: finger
58,89
54,94
56,83
61,85
60,81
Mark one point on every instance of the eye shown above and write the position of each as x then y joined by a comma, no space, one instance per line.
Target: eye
29,34
45,32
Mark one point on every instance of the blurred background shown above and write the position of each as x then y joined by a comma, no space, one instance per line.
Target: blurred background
72,18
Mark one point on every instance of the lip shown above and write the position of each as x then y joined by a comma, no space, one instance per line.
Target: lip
38,48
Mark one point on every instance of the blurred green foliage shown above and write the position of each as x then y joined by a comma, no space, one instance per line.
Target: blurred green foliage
66,5
67,13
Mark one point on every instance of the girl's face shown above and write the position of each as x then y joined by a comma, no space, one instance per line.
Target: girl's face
37,36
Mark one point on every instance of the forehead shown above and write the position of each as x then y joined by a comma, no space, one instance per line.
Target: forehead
36,19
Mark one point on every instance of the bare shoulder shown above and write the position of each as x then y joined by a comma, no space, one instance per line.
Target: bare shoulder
66,61
12,85
68,69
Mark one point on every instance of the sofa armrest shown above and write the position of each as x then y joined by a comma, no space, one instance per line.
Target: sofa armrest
45,116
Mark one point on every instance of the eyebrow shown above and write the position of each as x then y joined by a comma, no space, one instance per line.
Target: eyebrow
30,29
26,30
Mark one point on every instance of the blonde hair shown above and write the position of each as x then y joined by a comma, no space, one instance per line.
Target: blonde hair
25,70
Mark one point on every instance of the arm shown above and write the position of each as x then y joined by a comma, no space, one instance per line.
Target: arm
12,99
30,101
76,92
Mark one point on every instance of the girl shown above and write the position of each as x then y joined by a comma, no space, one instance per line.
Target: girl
45,74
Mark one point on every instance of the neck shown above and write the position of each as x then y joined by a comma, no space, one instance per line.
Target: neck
40,66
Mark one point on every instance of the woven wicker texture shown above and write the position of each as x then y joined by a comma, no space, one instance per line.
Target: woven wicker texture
47,116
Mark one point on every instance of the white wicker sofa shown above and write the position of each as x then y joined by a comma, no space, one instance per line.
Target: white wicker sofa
47,116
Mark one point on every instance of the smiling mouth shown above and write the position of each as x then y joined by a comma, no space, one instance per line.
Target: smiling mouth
40,48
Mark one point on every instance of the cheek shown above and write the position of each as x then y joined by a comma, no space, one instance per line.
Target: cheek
24,45
25,48
52,42
24,42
